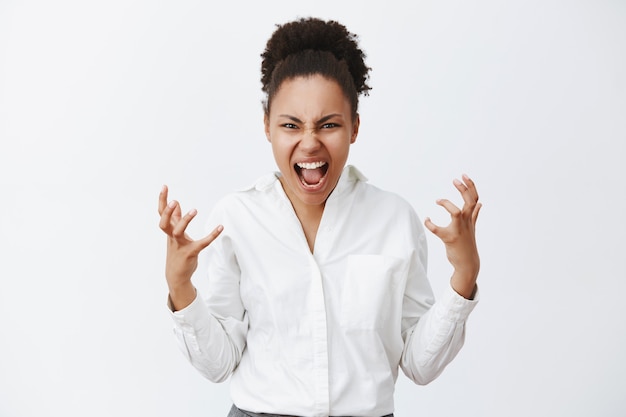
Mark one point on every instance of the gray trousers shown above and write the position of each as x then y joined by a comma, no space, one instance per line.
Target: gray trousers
235,412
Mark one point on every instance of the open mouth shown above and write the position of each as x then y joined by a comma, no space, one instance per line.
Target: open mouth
311,174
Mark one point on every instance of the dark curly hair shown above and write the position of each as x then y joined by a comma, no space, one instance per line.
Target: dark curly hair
311,46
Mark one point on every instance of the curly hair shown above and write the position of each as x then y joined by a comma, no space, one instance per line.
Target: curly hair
311,46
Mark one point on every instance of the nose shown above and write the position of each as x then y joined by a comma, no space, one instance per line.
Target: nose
309,141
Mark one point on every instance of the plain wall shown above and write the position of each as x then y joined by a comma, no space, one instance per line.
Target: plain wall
103,102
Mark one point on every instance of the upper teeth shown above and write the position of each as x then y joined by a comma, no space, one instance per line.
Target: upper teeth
310,165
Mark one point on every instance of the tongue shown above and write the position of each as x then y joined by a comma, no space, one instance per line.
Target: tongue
312,176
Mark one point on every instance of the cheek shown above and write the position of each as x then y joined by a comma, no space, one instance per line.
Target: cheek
341,149
281,153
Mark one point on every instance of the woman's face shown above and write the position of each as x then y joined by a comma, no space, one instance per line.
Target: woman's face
311,129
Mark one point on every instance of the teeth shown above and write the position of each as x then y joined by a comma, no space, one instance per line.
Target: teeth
310,165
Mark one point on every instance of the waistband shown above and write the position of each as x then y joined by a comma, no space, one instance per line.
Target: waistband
236,412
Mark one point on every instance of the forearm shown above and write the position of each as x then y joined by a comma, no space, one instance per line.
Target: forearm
181,295
464,283
437,338
212,345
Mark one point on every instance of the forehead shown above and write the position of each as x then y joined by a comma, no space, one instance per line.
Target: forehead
313,95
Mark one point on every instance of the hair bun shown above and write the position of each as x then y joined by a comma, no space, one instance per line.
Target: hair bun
315,34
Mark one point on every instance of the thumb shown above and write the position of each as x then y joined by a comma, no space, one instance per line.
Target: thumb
208,239
430,225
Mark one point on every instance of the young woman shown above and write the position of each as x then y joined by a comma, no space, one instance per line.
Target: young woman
317,283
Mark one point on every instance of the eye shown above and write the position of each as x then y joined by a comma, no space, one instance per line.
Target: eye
329,125
289,126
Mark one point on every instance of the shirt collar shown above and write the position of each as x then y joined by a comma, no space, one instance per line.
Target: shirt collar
349,176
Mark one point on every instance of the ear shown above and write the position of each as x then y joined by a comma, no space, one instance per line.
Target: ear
355,128
266,122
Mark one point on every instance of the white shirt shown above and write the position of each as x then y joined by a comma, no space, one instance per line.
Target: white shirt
323,333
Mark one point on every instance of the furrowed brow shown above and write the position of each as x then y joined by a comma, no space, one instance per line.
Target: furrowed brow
319,122
327,118
292,118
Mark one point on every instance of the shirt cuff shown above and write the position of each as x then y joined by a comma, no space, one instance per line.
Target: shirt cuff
191,316
455,307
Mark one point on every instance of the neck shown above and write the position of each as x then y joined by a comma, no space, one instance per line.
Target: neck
309,215
310,218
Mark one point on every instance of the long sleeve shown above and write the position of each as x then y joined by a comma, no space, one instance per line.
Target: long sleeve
433,331
212,332
437,337
212,345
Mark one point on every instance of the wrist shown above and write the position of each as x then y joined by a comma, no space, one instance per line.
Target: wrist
182,295
464,283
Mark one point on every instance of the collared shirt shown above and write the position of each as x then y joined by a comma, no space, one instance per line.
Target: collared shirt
322,333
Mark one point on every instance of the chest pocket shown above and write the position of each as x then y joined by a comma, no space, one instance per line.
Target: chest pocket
372,293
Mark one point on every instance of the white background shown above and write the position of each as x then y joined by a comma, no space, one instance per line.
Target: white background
103,102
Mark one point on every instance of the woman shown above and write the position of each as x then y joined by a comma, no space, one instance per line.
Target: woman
317,284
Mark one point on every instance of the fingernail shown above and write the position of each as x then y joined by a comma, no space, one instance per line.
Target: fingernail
457,182
193,212
172,204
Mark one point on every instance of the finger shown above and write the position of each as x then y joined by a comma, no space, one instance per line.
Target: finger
166,223
431,226
459,185
471,186
177,213
450,207
207,240
475,213
162,199
181,226
440,232
468,198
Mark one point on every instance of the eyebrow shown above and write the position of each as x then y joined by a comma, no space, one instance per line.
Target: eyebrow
320,121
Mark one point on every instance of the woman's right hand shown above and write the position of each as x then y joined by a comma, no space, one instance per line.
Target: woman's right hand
182,251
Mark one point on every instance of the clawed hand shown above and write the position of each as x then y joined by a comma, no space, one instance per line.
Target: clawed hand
459,236
182,250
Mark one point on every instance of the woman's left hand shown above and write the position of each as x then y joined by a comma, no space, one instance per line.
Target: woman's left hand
460,237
